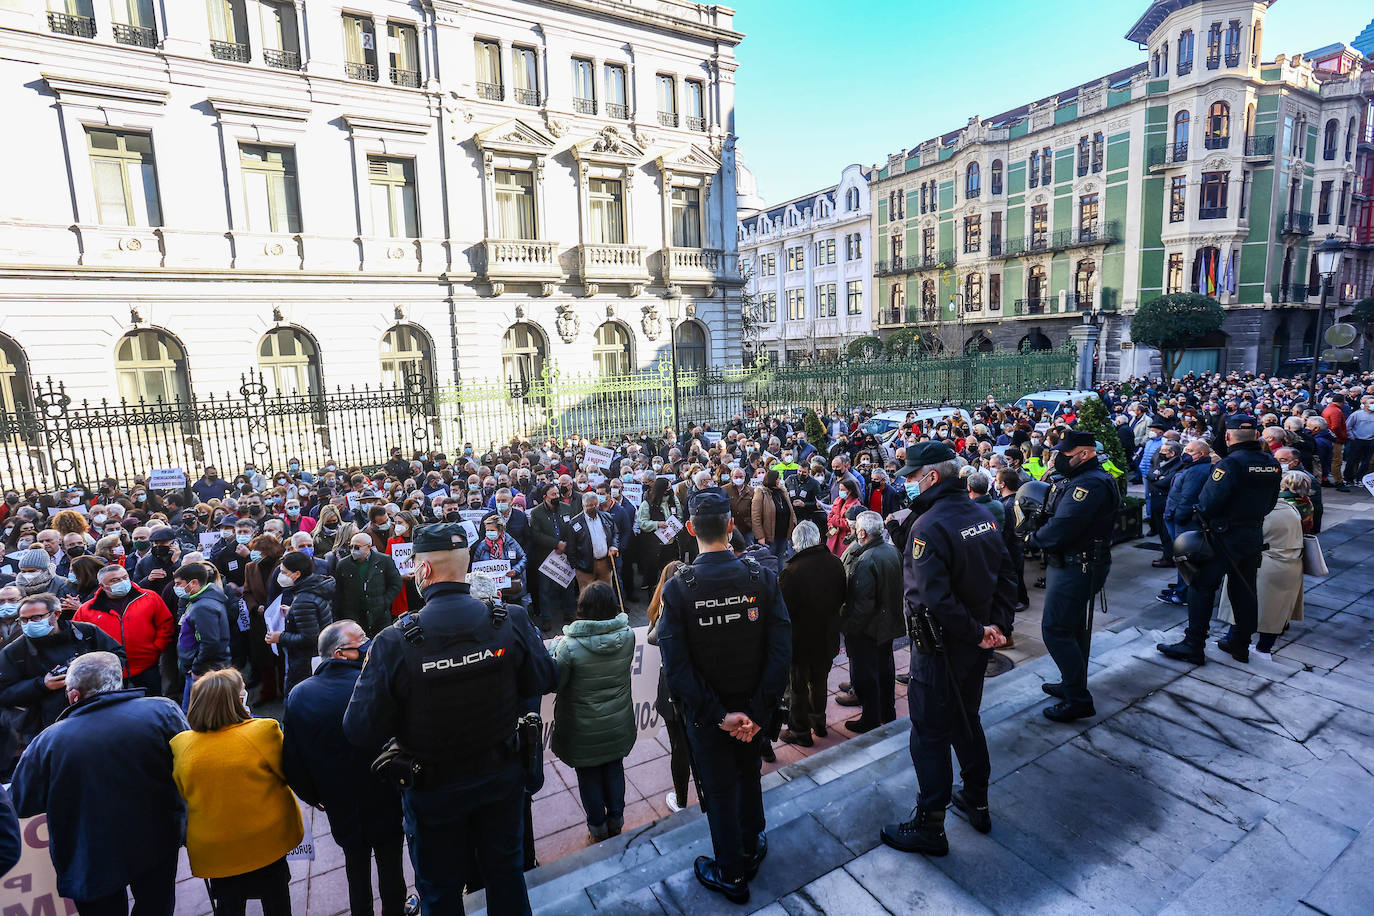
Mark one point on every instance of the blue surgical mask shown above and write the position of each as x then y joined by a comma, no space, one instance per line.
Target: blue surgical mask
913,489
308,551
293,511
121,588
243,538
37,629
178,591
294,466
255,555
8,610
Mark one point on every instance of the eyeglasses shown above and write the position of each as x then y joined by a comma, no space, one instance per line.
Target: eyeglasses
33,617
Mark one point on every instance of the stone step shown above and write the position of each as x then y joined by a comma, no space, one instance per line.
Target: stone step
824,811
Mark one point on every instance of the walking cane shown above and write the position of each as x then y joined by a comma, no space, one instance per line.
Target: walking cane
615,580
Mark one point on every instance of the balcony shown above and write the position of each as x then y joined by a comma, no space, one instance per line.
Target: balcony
282,60
946,256
521,259
893,267
1217,142
136,35
995,246
1185,67
230,50
1233,60
1161,156
696,123
492,92
930,313
890,315
1211,213
64,24
366,72
408,78
1295,222
584,106
1293,292
973,247
1093,233
667,118
618,110
612,262
1032,306
527,96
1256,147
687,265
1081,301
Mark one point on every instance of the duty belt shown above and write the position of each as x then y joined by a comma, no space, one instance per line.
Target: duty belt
437,774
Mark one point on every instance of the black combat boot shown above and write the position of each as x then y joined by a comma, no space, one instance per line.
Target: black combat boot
1055,690
1184,651
713,879
974,805
924,833
754,859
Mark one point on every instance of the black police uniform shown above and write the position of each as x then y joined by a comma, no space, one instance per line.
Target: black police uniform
1077,542
726,644
956,568
1242,489
447,684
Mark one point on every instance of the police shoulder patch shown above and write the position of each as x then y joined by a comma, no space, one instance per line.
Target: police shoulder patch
918,548
1080,494
1218,473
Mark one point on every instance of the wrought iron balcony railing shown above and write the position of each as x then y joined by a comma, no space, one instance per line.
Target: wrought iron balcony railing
136,35
282,60
1031,306
584,106
1259,146
617,110
65,24
696,123
668,118
230,50
410,78
526,96
1295,222
366,72
1215,142
492,92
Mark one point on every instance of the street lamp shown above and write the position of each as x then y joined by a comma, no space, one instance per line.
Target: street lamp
1328,255
674,305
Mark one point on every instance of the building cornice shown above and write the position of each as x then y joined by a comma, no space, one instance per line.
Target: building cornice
68,88
613,10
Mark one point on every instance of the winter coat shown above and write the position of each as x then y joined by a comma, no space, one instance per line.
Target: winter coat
366,598
144,628
25,663
767,526
873,600
1161,475
324,768
581,553
839,519
311,609
203,640
1279,583
240,814
994,506
103,775
544,534
1180,509
741,506
813,586
593,714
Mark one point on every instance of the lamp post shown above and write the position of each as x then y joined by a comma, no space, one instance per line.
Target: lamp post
674,304
1328,255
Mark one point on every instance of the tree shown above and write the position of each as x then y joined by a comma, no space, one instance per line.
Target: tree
751,311
1170,323
1093,418
903,343
869,347
815,432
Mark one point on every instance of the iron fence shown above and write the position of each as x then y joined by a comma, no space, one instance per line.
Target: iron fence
56,441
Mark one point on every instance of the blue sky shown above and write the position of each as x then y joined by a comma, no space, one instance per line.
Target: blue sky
824,83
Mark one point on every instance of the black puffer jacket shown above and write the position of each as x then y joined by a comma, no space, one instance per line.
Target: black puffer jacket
311,603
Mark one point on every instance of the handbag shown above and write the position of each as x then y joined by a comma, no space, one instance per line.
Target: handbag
1313,561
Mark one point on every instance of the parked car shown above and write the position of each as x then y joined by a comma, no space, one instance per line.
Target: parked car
886,425
1054,399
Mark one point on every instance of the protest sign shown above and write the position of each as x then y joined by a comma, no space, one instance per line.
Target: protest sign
30,887
275,620
167,479
559,569
671,526
598,456
498,570
353,502
1368,481
404,555
633,493
711,437
643,691
305,849
208,540
472,515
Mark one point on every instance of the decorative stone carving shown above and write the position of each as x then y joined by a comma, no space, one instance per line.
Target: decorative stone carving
590,289
690,310
519,310
568,323
395,253
651,322
672,291
546,289
636,290
498,288
557,126
610,310
608,140
273,249
131,244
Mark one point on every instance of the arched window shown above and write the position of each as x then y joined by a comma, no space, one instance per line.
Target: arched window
1035,168
997,176
151,365
1329,143
691,346
973,180
1218,126
14,377
973,292
851,199
978,343
611,353
290,362
406,350
1182,121
1083,282
523,352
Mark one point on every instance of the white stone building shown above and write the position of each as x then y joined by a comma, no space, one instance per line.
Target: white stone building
336,193
807,265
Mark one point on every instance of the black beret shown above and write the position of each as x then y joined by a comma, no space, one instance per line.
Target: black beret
443,536
162,534
1158,422
1240,421
711,501
923,454
1076,438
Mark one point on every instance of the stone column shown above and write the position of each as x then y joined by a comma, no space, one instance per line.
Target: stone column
1085,337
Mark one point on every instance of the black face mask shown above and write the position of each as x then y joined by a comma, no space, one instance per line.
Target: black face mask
77,551
1063,464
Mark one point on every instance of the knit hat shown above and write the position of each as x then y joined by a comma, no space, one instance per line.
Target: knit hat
35,558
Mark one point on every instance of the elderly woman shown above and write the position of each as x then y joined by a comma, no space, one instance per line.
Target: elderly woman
1296,489
1279,583
813,584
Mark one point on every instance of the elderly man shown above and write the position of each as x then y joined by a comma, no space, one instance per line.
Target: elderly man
10,596
366,582
871,620
591,539
813,586
324,769
135,618
103,775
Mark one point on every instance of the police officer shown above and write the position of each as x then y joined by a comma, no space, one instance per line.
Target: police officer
1241,491
959,589
726,644
1077,543
447,684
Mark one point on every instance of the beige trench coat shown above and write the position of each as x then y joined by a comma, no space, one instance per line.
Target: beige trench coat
1280,573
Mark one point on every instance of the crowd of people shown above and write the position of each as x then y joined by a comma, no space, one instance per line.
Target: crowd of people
135,624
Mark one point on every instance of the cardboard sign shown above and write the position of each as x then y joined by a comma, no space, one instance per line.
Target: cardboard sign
558,568
1368,481
497,570
31,886
671,527
305,850
633,493
404,555
644,668
598,456
208,541
474,516
167,479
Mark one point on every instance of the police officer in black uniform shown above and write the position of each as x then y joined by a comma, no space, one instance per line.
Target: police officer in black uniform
447,684
959,590
1077,543
1242,489
726,643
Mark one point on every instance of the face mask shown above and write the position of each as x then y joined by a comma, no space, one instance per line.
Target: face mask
37,629
179,591
1154,434
284,579
737,481
243,538
493,537
255,510
141,545
293,511
503,508
1062,464
330,529
582,486
913,489
77,551
384,526
254,555
8,610
308,551
99,519
628,477
120,588
294,466
75,501
358,553
25,543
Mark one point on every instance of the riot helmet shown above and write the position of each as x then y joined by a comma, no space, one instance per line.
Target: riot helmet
1191,550
1031,507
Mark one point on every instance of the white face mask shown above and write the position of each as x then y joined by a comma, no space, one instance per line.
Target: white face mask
284,579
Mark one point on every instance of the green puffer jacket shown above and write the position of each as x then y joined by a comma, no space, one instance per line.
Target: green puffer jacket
593,714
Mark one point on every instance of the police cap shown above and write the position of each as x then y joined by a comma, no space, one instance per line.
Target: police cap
923,454
1077,438
162,534
1158,422
1240,421
711,501
443,536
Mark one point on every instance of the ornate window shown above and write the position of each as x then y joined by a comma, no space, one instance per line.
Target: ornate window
523,352
151,365
997,176
1218,126
690,338
290,362
406,350
973,181
612,352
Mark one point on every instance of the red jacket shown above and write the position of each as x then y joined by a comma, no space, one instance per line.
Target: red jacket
1335,418
144,629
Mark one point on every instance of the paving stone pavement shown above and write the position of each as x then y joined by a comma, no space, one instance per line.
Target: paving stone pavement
1220,789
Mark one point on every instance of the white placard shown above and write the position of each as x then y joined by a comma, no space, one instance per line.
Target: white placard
643,691
274,620
474,516
354,501
633,493
1368,481
671,527
558,568
79,509
598,456
305,850
497,570
208,540
436,495
596,480
404,555
167,479
712,437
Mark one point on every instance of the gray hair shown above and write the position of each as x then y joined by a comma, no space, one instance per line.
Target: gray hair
334,636
302,539
47,599
702,479
870,523
95,673
948,470
100,574
805,535
979,483
1169,446
589,497
1297,483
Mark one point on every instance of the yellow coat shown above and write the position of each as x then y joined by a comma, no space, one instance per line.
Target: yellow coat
240,815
